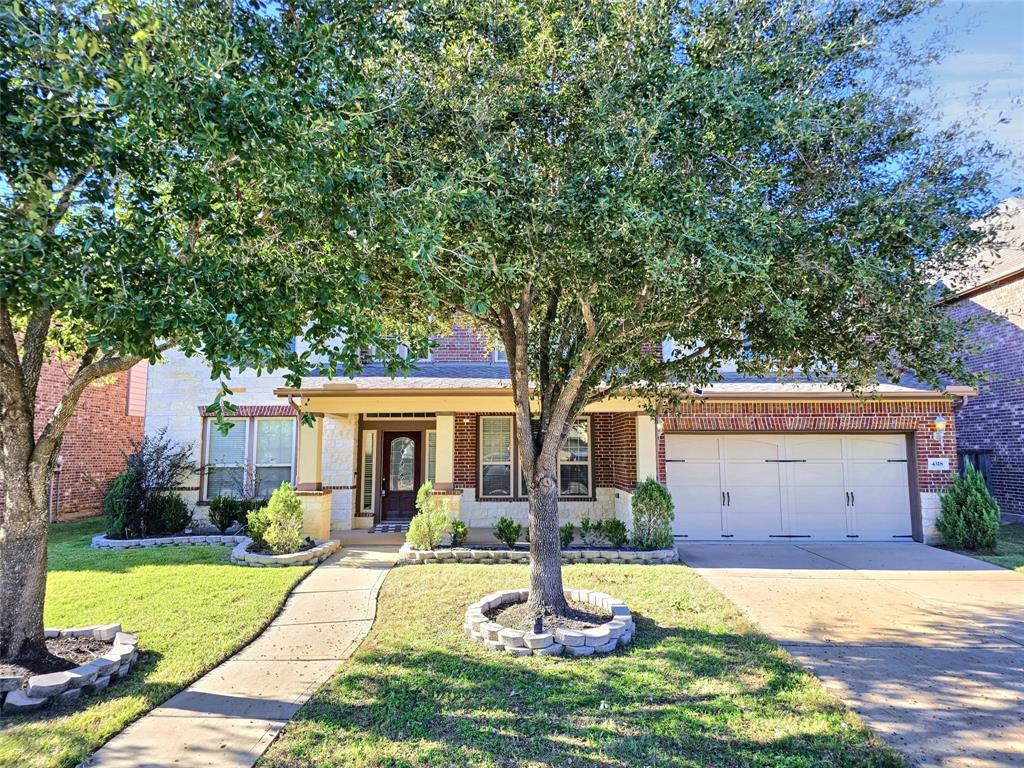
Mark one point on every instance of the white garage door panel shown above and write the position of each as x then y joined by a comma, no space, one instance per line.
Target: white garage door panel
761,486
696,488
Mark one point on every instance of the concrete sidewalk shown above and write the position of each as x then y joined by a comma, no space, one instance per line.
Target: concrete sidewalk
231,715
927,646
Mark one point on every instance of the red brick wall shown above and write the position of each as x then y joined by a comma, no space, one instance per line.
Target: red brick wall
872,416
614,436
994,421
464,345
98,436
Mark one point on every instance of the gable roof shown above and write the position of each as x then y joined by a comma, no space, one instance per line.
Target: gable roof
1003,260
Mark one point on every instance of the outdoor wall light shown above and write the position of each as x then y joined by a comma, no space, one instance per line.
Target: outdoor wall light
939,431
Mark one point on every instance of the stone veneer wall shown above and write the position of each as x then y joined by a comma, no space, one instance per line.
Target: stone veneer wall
338,467
911,417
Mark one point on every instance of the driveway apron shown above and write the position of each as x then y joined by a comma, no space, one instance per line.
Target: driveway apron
926,646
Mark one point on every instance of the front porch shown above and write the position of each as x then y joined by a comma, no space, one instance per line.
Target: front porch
361,461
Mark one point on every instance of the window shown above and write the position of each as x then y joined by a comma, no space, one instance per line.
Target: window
500,356
236,465
574,461
499,462
431,456
273,463
496,456
369,451
226,458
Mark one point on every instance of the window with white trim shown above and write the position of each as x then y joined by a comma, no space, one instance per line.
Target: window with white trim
499,461
496,459
255,456
431,458
500,356
369,453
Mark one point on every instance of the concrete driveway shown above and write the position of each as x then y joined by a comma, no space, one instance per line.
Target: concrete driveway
925,645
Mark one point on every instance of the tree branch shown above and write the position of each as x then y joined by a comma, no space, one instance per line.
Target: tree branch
33,345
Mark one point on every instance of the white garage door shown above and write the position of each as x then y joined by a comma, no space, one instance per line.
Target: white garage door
768,486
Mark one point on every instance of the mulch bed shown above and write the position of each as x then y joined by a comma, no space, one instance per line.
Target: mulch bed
263,549
64,653
519,616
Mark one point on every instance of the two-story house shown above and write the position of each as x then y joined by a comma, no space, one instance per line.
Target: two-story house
746,460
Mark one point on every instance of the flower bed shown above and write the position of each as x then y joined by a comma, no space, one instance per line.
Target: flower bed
241,555
70,685
603,638
102,542
473,555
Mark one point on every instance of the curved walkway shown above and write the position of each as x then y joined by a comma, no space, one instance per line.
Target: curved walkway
230,715
925,645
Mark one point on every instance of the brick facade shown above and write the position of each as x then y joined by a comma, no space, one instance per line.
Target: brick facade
464,344
99,435
993,422
911,417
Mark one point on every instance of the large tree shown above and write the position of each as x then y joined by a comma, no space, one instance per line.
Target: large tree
745,177
159,168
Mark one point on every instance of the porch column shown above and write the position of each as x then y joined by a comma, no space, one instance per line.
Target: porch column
444,460
646,447
308,475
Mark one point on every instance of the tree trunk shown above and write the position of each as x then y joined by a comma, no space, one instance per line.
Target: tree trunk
546,591
23,537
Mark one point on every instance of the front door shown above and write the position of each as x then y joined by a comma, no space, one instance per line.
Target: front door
400,475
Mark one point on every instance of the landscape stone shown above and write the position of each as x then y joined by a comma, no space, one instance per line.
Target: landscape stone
512,638
580,650
126,638
19,701
538,640
607,647
9,683
100,684
596,636
49,633
615,628
70,695
570,637
106,632
518,650
549,650
41,686
620,610
490,630
83,675
494,645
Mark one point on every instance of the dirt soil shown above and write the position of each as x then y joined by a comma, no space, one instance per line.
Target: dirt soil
518,616
64,653
262,549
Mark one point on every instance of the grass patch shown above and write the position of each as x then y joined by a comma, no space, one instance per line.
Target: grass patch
698,687
191,608
1009,551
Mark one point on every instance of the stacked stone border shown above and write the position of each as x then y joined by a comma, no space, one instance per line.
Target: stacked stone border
70,685
102,542
411,556
242,556
604,638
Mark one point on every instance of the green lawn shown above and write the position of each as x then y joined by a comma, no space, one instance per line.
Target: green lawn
1009,551
698,687
189,606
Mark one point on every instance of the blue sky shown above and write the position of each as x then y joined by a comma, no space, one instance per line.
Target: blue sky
986,39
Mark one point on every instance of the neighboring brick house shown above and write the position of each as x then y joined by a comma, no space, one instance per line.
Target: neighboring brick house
749,459
991,425
108,420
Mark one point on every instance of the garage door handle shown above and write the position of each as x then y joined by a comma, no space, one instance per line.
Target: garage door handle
728,499
853,499
723,498
847,498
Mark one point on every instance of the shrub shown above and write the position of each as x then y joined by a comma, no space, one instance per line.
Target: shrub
653,513
167,513
256,524
970,516
282,518
123,506
224,512
431,521
615,531
459,533
591,532
507,531
566,534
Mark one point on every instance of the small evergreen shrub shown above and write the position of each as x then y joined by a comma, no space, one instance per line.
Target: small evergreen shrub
614,531
281,521
507,531
223,513
431,521
123,506
653,513
591,532
566,534
970,516
459,533
168,513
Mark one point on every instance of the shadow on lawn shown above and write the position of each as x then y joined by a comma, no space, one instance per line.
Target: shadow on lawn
676,697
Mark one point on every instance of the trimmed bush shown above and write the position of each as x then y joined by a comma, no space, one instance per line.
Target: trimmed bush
123,506
566,534
970,516
459,533
431,521
614,531
226,510
653,513
591,532
507,531
280,522
168,513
